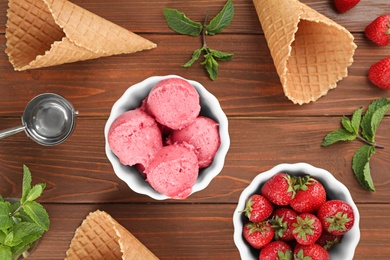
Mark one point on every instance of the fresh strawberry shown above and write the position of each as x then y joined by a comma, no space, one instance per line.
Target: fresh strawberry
310,252
258,234
258,208
378,30
345,5
309,196
307,229
379,73
327,240
279,189
276,250
282,220
336,217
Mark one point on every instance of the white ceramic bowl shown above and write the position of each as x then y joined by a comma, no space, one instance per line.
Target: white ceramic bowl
132,99
335,190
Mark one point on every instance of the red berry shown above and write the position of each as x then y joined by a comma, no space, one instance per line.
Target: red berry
258,234
345,5
276,250
307,229
327,240
258,208
279,189
282,220
314,251
310,195
378,30
336,217
379,73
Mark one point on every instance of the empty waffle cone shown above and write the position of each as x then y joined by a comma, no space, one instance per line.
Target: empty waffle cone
42,33
311,52
100,237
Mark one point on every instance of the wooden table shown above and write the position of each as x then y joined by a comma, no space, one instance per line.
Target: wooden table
265,129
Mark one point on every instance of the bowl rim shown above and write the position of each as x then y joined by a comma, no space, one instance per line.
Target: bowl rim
207,174
319,173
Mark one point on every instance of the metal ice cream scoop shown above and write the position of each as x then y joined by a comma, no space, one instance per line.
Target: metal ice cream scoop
48,119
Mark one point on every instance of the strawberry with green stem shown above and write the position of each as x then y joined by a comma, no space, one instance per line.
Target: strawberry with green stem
258,208
310,195
279,189
276,250
282,220
307,229
258,234
336,216
378,31
327,241
310,252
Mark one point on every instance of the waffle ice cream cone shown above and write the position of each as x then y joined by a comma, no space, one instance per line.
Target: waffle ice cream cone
42,33
311,52
100,237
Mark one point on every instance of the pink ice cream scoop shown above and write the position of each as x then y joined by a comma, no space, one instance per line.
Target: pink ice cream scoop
203,134
135,138
174,102
174,170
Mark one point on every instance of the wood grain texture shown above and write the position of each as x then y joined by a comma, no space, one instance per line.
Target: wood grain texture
265,128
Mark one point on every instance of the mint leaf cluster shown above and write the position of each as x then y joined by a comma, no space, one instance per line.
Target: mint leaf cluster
23,222
181,24
362,128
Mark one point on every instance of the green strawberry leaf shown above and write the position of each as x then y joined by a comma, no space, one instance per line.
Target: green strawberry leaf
26,186
361,166
222,20
211,65
37,213
5,252
5,215
195,57
338,135
180,23
374,114
35,192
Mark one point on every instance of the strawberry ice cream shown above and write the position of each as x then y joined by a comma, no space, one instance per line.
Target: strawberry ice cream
174,170
135,138
203,134
174,102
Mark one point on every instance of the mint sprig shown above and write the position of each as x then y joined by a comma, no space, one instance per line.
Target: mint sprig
362,128
181,24
23,222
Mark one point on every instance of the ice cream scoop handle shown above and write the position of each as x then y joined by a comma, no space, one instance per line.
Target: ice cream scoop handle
11,131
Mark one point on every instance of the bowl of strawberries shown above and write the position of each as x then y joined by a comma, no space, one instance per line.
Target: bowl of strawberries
296,211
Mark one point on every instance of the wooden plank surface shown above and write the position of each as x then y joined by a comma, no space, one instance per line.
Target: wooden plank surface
264,126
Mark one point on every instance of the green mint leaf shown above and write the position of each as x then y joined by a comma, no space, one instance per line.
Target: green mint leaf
338,135
2,237
5,216
26,186
221,20
371,119
27,232
195,57
356,119
347,124
1,199
11,240
37,213
211,66
180,23
5,253
35,191
223,56
361,166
